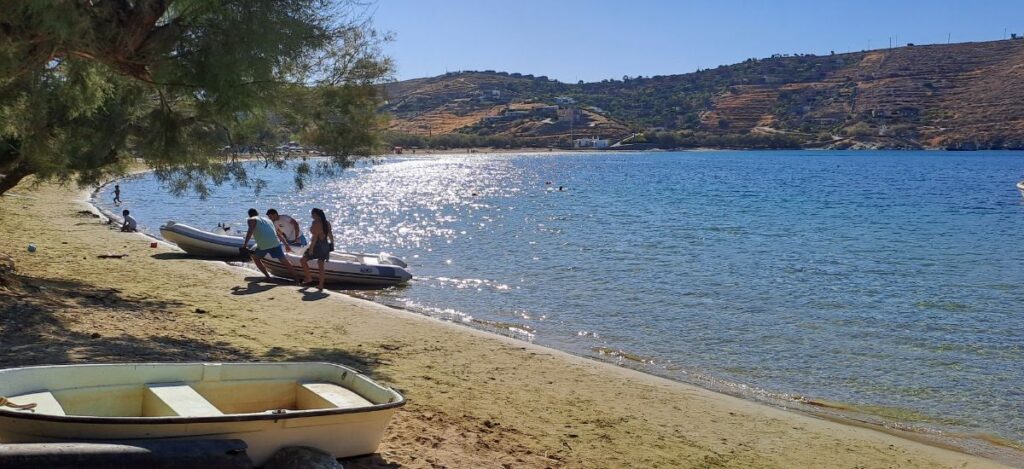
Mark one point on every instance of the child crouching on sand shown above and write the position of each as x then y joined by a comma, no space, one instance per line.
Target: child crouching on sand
130,225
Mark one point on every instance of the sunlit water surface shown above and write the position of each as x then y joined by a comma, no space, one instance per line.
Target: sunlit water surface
890,282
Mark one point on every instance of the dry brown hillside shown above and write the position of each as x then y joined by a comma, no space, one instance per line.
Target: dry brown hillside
962,96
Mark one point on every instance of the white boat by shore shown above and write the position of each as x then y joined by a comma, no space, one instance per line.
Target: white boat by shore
268,405
1020,187
203,243
344,267
347,268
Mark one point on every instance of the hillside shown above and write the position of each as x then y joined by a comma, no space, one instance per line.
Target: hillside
961,96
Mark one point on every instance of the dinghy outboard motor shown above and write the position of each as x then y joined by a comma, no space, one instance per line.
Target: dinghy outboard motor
385,258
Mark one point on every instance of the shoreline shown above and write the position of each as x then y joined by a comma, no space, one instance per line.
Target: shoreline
984,444
691,417
924,429
836,412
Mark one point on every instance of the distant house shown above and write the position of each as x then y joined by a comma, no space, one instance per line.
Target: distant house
564,101
591,142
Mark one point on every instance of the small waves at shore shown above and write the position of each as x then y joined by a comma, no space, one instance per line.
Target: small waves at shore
884,283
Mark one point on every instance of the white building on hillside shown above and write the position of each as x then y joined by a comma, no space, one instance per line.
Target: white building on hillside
592,142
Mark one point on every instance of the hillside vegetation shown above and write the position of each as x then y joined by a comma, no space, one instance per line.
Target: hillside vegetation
959,96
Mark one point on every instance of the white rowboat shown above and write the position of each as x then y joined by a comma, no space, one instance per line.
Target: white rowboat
1020,187
268,405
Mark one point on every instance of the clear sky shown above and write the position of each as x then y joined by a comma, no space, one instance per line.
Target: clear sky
573,40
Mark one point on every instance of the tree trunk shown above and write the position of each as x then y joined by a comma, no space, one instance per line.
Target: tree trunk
13,177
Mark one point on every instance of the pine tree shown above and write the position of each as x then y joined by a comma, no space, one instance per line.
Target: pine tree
86,86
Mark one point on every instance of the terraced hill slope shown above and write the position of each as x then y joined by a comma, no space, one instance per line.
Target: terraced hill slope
960,96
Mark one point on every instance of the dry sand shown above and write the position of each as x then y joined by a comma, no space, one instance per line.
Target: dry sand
475,399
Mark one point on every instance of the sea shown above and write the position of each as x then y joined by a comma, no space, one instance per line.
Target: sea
881,286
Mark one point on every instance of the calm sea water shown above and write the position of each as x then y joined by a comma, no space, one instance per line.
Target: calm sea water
891,282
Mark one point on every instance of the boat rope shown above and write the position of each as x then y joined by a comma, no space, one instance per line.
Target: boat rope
5,402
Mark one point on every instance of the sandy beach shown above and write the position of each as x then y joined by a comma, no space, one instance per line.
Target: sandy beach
475,399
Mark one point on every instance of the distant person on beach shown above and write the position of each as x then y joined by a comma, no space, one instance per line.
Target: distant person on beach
268,241
320,246
117,194
129,225
288,227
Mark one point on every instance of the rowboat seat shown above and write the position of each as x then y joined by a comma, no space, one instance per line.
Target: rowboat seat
176,400
328,396
45,403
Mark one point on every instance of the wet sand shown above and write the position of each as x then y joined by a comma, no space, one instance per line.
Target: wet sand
475,399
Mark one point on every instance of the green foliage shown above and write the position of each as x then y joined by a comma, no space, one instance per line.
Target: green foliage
341,119
456,140
686,139
87,86
860,129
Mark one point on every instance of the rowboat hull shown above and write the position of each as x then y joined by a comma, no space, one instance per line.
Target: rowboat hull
268,405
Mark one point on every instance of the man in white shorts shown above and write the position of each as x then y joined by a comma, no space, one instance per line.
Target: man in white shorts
288,227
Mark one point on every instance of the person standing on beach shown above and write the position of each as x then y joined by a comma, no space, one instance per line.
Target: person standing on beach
117,194
268,241
129,225
287,227
320,246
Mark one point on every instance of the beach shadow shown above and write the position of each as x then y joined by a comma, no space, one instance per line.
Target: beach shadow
258,285
370,461
184,256
40,323
311,295
50,290
363,362
175,256
46,321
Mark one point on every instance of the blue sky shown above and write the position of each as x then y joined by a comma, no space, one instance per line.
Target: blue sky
573,40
